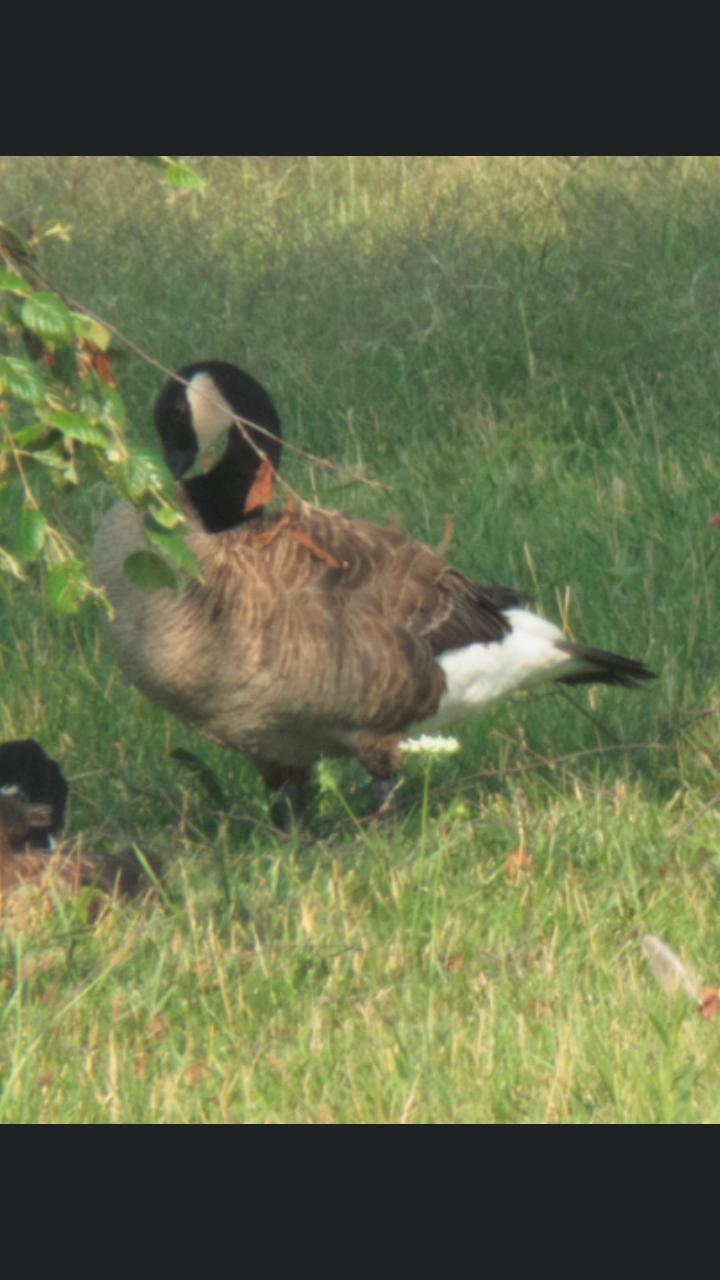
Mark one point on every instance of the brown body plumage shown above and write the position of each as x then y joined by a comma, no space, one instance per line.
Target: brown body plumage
313,634
117,874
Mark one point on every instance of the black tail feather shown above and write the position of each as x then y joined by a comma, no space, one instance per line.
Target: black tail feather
597,666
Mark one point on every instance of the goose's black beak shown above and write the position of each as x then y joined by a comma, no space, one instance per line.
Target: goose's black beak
179,461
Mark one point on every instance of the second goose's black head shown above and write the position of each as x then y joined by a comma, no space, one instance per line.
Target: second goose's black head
27,772
191,418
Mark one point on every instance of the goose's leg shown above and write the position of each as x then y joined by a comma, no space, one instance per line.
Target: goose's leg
382,759
384,790
287,806
289,785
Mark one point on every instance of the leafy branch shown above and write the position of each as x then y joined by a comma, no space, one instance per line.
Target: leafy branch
62,424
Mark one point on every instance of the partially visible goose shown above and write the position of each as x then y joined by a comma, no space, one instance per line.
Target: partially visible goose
33,794
28,776
313,634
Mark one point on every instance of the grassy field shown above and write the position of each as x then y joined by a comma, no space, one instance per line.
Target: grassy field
529,346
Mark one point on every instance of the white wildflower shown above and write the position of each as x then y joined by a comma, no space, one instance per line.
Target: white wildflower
427,745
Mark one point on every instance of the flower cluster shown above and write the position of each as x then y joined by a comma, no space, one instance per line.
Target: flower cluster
426,745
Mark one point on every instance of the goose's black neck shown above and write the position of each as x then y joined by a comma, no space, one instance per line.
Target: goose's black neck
220,496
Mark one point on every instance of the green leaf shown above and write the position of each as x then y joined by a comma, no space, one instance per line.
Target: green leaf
28,435
129,479
30,534
91,330
12,283
140,474
177,549
46,315
184,178
67,586
76,427
55,457
157,162
149,572
21,380
113,410
167,517
57,231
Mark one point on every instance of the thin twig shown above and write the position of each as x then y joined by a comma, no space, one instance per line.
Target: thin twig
688,826
242,423
546,762
588,715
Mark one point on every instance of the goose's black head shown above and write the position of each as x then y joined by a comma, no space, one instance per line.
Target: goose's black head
190,418
26,772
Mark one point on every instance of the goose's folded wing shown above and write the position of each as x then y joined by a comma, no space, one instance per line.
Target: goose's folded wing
381,572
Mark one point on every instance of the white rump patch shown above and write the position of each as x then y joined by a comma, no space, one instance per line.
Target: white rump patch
211,413
480,673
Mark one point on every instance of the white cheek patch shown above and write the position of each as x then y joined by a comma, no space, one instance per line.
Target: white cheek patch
480,673
211,413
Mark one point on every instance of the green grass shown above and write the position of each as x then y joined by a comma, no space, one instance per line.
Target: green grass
533,350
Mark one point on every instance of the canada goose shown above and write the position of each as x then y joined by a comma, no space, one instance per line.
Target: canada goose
313,633
30,777
33,794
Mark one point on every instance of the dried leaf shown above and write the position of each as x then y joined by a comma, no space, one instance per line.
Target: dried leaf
91,357
536,1010
668,970
198,1072
709,1006
517,863
158,1028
